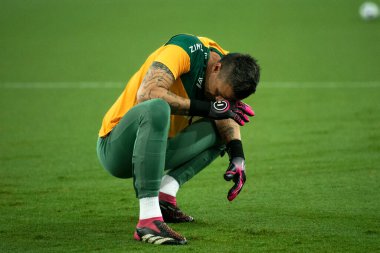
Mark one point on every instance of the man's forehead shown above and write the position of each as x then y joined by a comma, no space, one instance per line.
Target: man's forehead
225,90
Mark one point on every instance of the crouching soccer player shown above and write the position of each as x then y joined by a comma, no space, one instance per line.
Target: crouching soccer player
177,114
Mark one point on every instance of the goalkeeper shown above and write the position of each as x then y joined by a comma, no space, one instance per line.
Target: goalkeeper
178,113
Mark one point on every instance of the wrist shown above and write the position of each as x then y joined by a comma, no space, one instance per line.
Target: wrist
235,149
199,108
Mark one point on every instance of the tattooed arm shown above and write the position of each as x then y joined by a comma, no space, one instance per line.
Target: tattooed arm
156,84
228,129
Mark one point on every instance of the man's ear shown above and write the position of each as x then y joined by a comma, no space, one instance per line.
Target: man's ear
217,66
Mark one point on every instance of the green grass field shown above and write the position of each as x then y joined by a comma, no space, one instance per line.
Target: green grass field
313,150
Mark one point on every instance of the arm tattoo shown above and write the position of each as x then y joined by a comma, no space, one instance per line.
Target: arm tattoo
227,132
228,129
159,65
175,106
158,74
157,83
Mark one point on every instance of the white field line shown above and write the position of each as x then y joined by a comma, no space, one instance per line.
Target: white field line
61,85
119,85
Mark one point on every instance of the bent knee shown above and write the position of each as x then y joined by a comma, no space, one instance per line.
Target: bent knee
159,106
158,112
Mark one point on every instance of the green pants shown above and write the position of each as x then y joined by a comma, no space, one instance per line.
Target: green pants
139,147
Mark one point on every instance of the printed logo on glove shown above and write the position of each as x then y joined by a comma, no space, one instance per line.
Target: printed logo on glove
221,106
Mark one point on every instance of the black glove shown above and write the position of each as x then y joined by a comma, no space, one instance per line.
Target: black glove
235,172
223,109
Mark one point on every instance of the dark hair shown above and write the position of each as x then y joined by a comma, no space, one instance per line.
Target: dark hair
242,72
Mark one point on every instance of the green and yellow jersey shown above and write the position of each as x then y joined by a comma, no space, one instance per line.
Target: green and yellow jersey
186,56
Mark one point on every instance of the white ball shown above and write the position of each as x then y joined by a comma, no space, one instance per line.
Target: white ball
369,11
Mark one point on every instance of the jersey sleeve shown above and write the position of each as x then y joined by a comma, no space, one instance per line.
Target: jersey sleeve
175,58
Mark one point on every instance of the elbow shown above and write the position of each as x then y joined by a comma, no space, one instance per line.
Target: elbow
140,98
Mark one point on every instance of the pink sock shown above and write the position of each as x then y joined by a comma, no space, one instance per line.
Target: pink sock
168,198
149,223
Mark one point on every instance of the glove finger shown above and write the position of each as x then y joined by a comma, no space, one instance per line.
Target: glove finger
245,108
229,175
242,115
235,190
230,172
237,118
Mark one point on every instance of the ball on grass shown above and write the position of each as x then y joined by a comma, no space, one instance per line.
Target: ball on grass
369,11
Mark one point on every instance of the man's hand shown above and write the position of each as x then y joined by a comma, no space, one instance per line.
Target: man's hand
237,111
235,172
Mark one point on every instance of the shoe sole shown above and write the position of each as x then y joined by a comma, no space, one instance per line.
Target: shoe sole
157,240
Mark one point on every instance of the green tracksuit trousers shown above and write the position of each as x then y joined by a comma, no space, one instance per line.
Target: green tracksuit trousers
139,147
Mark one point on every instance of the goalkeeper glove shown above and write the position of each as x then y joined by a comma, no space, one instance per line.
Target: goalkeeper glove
223,109
235,172
236,168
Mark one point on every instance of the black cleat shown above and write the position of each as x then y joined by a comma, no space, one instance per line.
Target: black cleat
165,236
172,214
